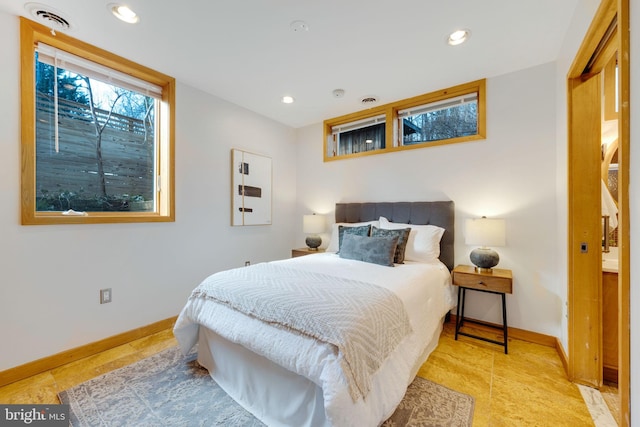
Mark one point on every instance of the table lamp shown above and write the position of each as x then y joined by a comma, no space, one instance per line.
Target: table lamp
313,225
485,232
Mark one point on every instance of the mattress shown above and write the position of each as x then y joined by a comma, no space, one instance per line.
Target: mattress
286,379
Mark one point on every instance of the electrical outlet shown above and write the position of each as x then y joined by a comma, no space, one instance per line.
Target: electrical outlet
105,296
247,263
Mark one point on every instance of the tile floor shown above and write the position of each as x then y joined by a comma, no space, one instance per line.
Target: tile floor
527,387
43,388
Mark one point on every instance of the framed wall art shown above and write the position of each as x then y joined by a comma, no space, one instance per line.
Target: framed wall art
250,188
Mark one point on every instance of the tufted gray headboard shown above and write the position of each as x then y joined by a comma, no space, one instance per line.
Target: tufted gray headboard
441,214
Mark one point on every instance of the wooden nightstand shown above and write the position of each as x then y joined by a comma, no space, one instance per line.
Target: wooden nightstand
498,281
304,251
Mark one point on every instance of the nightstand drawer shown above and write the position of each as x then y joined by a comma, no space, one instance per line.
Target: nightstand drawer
499,280
496,284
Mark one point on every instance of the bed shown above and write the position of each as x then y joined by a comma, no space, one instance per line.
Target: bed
265,358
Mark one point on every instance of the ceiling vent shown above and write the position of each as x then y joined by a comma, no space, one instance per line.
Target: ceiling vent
368,100
48,16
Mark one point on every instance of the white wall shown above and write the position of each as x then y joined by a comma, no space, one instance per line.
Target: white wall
50,275
510,175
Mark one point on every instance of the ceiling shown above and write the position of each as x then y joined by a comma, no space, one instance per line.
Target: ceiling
246,52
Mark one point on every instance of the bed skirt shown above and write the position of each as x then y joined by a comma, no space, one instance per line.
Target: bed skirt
275,395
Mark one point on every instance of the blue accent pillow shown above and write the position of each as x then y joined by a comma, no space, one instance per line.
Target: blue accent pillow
376,250
361,230
403,238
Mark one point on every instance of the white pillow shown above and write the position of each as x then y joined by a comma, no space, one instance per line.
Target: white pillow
423,243
333,240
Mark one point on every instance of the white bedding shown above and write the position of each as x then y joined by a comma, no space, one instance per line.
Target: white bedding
426,293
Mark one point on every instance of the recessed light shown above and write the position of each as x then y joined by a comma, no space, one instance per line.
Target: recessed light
123,13
458,37
288,99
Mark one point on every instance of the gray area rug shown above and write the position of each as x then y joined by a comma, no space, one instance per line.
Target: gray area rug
168,389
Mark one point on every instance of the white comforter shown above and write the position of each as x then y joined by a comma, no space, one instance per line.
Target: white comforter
425,291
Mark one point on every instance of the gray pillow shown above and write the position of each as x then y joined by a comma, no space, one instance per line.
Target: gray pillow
403,238
361,230
376,250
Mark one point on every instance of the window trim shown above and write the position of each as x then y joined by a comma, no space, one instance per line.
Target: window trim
391,112
31,34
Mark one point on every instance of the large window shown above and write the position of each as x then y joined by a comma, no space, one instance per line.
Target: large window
97,134
448,116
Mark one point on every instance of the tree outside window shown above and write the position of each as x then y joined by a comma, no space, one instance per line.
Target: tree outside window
102,157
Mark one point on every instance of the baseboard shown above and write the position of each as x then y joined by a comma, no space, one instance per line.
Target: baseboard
520,334
563,356
50,362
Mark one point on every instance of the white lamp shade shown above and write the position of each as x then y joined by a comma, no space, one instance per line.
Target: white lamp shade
485,232
313,224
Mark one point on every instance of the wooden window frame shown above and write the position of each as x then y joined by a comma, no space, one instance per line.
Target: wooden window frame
391,113
31,34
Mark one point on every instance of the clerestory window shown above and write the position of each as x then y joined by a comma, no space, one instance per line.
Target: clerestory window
441,120
447,116
356,137
97,134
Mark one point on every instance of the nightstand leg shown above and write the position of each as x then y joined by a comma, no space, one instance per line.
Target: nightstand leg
458,313
464,298
504,322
